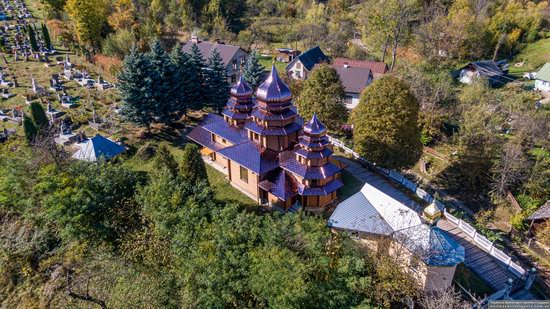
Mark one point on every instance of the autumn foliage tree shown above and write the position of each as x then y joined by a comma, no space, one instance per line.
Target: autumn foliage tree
88,17
385,124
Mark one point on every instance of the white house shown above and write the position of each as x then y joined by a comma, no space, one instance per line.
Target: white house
300,67
542,81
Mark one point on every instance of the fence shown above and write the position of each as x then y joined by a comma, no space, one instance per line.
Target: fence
486,245
479,239
393,175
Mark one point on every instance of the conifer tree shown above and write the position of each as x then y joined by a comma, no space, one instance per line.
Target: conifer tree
136,83
165,92
46,36
32,38
192,167
189,87
30,129
253,71
216,83
39,116
197,68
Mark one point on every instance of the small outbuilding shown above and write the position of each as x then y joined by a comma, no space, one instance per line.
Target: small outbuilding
539,217
542,79
93,149
494,71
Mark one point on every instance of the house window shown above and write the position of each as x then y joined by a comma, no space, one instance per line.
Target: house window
244,174
348,99
224,141
243,60
235,65
298,65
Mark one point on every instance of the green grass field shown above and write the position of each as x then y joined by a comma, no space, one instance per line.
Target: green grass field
268,61
534,56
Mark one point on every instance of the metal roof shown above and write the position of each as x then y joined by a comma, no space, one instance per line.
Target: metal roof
96,147
273,89
314,126
375,66
354,80
310,58
241,88
375,212
227,52
542,213
252,156
544,73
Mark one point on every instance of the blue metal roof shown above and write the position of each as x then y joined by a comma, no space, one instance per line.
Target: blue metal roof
308,142
314,126
97,147
204,138
241,88
288,162
252,156
219,126
326,189
235,115
313,154
444,250
292,127
280,184
273,89
265,115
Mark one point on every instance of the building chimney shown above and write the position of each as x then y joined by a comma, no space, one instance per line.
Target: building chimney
346,65
194,39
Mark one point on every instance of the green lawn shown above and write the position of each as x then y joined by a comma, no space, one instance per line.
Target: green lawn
224,190
268,61
534,56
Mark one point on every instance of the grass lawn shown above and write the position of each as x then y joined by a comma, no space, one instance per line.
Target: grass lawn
351,186
534,55
224,190
471,282
268,61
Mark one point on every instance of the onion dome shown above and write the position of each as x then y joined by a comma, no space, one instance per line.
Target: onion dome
241,88
314,126
273,89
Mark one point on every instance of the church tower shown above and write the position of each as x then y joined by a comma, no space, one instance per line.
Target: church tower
275,125
240,104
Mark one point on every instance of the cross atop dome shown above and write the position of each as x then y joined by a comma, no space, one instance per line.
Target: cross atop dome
241,88
273,89
314,126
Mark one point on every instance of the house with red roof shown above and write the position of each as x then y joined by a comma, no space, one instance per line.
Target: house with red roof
268,152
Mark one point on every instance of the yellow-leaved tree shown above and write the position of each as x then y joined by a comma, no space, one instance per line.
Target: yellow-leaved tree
88,17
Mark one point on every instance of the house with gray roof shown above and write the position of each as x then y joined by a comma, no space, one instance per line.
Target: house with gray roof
354,80
380,221
542,79
233,56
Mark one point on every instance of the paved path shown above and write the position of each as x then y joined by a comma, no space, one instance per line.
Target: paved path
478,260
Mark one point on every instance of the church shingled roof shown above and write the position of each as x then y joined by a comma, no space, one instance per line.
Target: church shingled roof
241,88
314,126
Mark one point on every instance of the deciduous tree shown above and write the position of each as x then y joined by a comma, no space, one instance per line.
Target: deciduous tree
89,17
323,94
385,124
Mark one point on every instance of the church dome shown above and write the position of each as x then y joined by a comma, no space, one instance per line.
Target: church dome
273,89
241,88
314,126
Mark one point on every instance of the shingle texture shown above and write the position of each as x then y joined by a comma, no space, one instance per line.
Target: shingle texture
97,147
227,52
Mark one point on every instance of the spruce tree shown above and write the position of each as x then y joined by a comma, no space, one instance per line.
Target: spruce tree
46,36
198,66
137,88
216,83
253,71
39,117
32,38
30,129
385,124
165,92
192,167
189,87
